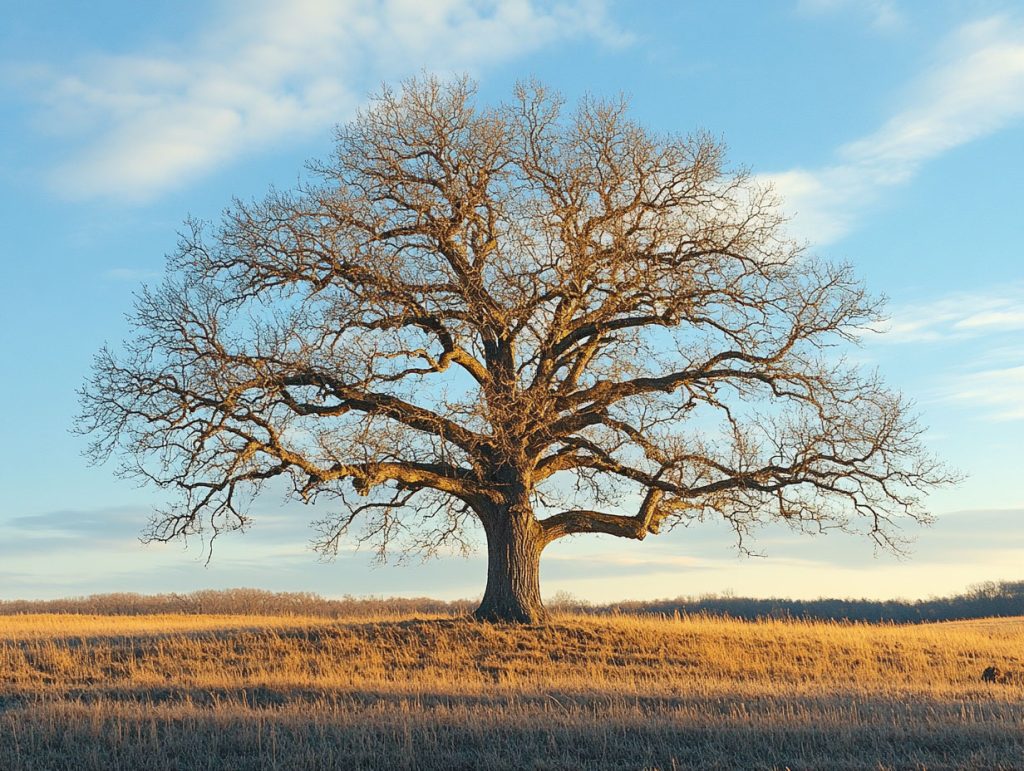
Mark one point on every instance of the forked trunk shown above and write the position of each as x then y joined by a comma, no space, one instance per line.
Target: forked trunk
513,570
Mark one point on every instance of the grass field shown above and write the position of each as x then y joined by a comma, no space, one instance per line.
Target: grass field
240,692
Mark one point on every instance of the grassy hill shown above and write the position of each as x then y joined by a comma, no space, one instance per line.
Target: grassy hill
238,692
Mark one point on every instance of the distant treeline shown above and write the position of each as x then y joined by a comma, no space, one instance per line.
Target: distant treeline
252,602
1002,598
993,598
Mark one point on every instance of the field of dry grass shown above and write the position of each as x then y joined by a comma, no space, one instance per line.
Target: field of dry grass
240,692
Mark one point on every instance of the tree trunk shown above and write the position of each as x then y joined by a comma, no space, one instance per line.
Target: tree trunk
513,569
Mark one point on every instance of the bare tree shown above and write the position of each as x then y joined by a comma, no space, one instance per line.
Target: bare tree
546,321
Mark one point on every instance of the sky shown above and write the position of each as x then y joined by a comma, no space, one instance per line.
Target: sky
893,130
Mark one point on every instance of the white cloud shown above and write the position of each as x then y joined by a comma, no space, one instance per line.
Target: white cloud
264,71
976,88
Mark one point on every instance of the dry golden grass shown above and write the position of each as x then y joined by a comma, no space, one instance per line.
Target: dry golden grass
238,692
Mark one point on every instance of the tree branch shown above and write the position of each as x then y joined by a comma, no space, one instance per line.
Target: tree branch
647,520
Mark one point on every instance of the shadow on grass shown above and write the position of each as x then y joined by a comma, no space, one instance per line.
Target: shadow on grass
264,727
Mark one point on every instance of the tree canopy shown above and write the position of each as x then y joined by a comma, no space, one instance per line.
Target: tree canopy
544,320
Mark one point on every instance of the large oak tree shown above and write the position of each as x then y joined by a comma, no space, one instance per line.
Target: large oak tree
542,320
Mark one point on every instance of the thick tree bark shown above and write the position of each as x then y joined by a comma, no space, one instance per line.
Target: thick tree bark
514,544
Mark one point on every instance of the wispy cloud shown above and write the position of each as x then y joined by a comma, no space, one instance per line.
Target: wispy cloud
97,550
1000,391
266,71
882,14
962,548
68,532
83,523
987,373
957,316
975,88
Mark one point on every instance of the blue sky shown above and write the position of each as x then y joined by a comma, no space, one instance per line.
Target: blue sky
893,129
